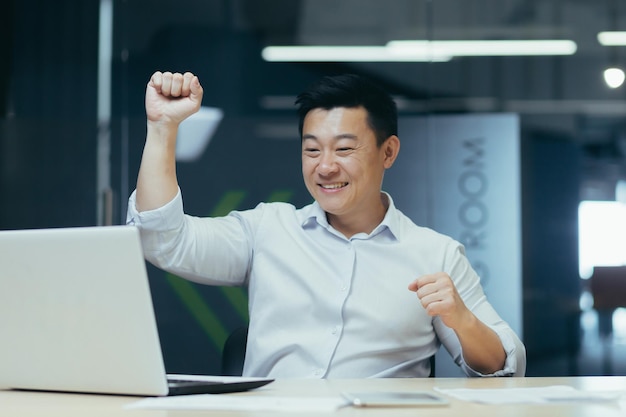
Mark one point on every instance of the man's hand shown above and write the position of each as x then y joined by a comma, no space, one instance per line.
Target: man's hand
481,347
172,97
439,297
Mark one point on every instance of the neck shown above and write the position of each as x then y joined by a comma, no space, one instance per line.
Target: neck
369,219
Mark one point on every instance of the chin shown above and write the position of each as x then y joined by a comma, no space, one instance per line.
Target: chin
329,208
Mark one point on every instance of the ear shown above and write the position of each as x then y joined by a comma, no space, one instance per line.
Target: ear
390,149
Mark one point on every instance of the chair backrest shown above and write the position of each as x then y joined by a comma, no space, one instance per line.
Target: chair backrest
234,353
608,287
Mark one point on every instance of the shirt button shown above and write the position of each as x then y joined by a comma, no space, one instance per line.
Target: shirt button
334,330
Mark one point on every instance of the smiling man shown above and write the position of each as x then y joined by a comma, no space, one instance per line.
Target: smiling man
343,167
346,287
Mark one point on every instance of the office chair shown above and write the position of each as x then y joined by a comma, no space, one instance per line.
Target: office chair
608,289
234,353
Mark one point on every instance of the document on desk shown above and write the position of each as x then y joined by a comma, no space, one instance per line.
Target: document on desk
535,395
234,402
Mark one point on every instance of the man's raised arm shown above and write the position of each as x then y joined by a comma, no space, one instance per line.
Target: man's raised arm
170,99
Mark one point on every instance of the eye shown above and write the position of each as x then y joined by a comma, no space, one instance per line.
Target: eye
311,151
345,149
345,146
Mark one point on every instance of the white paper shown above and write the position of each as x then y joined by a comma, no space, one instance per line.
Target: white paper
240,403
554,393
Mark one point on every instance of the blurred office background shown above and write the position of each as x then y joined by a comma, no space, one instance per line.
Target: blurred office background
72,125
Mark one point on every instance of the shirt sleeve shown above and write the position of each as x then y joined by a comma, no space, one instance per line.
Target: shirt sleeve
207,250
468,285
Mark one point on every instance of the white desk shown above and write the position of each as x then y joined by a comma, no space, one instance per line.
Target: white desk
29,404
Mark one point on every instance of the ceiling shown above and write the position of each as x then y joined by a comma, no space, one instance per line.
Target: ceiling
535,86
562,95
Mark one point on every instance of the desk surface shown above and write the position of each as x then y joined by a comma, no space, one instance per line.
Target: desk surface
27,404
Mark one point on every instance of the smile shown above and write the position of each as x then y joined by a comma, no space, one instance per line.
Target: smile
334,186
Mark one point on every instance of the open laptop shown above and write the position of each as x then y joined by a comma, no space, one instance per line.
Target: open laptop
76,315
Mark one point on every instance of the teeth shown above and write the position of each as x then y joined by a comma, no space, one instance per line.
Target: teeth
334,186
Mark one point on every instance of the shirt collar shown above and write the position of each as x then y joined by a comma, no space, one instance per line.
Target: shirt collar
314,215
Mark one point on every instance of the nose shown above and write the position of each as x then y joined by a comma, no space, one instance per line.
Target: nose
327,164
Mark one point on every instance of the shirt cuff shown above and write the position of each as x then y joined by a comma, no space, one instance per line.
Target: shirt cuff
167,217
510,363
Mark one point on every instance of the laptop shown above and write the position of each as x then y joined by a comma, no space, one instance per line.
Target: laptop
76,315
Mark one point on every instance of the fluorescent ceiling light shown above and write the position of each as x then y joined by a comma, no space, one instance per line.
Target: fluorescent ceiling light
485,48
343,54
612,38
417,51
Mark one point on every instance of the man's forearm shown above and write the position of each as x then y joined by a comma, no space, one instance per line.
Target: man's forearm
481,347
157,183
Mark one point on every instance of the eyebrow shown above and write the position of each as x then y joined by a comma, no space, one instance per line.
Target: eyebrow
338,137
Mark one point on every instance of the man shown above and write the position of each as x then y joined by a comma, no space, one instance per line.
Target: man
346,287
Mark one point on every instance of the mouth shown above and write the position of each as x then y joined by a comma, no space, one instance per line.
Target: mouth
334,186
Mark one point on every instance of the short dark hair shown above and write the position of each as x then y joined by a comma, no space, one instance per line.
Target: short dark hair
352,91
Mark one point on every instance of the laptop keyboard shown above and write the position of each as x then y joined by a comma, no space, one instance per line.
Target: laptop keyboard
187,382
178,386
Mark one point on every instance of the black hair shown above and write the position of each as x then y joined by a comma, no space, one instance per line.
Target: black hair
352,91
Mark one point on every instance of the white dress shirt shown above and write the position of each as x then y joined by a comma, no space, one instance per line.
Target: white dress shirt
322,305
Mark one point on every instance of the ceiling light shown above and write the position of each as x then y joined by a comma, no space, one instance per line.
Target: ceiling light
614,77
344,54
613,38
417,51
195,133
485,48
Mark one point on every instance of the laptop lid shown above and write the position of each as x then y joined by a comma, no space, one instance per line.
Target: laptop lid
76,312
76,315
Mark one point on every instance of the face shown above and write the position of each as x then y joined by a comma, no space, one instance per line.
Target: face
342,166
